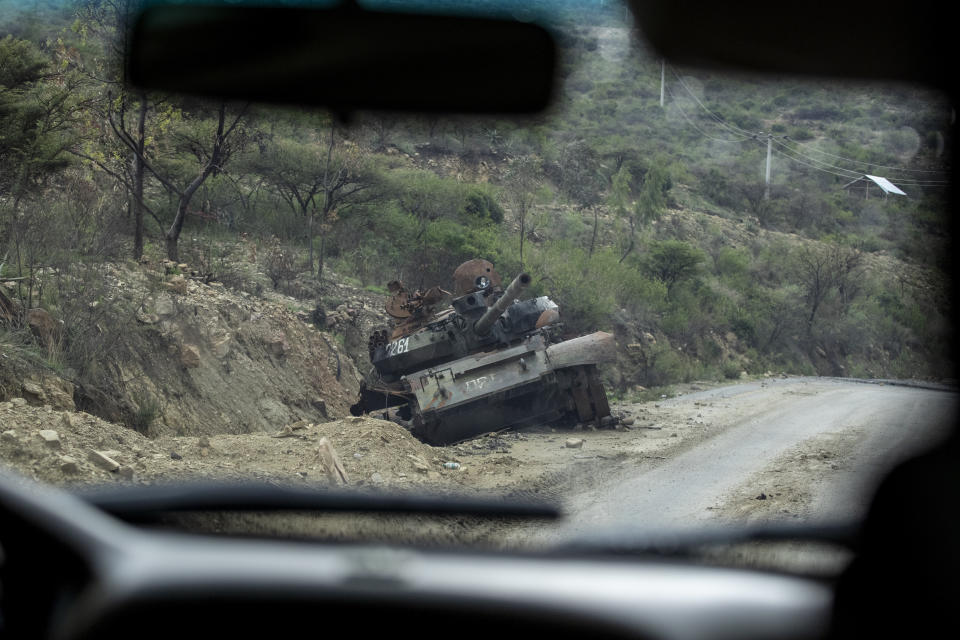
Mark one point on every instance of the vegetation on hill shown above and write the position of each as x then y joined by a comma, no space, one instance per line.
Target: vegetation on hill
653,221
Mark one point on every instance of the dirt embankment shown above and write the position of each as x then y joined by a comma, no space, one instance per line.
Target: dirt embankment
190,357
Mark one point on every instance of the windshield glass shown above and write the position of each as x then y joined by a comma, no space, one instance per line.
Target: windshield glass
677,299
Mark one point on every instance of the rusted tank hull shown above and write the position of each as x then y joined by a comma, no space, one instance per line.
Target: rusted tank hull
530,383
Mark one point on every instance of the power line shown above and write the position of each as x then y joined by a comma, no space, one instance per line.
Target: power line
864,162
691,123
813,162
733,129
823,164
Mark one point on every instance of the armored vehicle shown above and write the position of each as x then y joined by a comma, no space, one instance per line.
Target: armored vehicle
486,362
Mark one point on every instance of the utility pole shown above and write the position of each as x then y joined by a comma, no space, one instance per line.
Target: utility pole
766,190
663,69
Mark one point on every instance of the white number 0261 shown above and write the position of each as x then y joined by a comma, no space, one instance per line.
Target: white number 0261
398,346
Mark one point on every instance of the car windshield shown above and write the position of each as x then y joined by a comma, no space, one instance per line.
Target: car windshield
725,297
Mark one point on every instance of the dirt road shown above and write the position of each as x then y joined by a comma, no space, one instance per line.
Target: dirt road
794,448
799,448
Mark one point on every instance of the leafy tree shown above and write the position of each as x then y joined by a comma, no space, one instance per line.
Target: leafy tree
314,178
582,179
621,200
652,200
673,262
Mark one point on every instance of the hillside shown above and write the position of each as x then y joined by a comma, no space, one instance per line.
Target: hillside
245,305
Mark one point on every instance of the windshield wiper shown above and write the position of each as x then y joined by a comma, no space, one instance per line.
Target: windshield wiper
144,503
623,541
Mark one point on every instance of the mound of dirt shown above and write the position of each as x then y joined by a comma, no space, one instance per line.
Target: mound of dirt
75,448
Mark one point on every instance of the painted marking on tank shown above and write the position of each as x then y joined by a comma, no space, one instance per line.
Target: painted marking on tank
397,347
477,384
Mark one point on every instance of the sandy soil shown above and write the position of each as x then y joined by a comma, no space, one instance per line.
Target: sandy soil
660,469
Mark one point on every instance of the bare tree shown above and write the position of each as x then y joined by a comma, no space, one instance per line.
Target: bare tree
522,181
211,149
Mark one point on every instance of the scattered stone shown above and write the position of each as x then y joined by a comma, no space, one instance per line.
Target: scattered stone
574,443
147,318
762,496
69,420
176,284
33,392
50,437
376,477
189,356
69,464
103,461
9,436
175,456
125,472
18,402
453,466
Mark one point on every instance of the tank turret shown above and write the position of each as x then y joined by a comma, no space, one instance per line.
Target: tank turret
485,362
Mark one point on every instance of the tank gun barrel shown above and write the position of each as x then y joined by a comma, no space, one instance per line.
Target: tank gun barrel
516,287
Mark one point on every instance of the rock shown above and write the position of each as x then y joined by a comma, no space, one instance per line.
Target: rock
50,437
376,477
175,456
69,420
189,356
125,472
33,392
176,284
103,461
147,318
221,345
762,496
164,307
59,393
574,443
278,346
69,464
9,436
18,402
42,325
320,405
628,421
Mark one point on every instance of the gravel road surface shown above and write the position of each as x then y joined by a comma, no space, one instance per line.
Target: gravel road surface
798,448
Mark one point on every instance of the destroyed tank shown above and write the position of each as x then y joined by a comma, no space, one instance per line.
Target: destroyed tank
486,362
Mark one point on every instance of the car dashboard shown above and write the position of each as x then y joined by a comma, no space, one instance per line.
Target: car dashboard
71,571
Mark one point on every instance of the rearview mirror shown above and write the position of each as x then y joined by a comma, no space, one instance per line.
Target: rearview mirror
344,58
